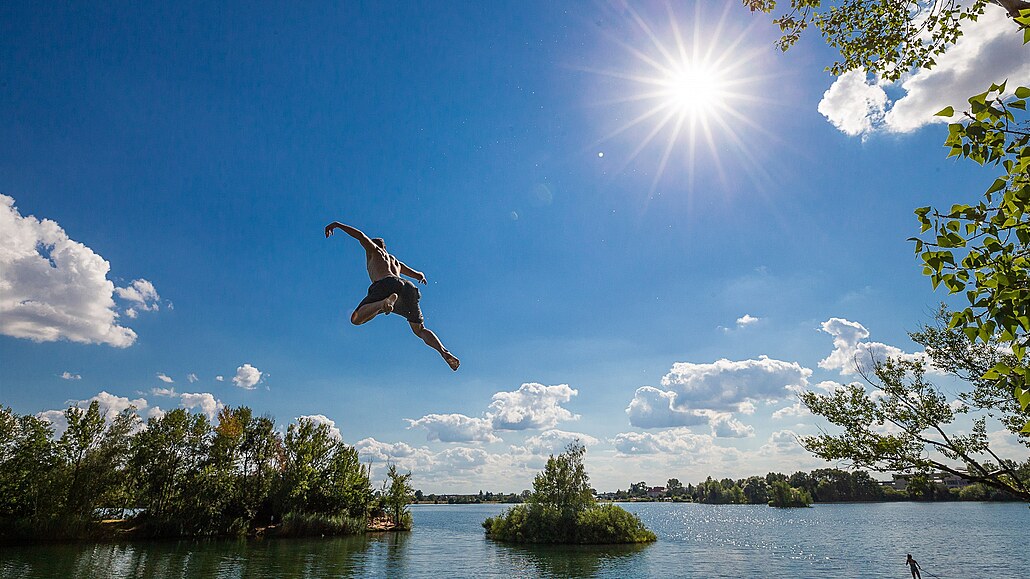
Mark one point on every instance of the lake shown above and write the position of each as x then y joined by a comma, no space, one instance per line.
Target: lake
953,540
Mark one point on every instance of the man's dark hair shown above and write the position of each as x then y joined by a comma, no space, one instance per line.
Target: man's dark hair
379,241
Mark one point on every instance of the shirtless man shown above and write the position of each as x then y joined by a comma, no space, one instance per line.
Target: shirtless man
389,292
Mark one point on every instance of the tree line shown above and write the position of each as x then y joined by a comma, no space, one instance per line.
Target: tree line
825,485
183,475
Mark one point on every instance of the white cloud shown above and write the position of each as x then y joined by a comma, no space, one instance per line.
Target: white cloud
162,377
554,441
724,426
69,376
203,401
247,377
531,406
169,392
709,393
455,428
747,320
142,294
462,458
323,419
851,355
797,409
191,377
220,378
653,408
52,287
110,406
725,385
782,442
673,441
853,105
989,51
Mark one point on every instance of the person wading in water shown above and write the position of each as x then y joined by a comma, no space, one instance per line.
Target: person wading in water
389,292
913,566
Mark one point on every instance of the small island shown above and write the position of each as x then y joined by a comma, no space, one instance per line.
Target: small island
562,510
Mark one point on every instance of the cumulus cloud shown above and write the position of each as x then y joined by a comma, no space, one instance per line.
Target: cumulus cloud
746,320
853,105
653,408
141,294
797,409
52,287
247,377
782,442
110,406
672,441
220,378
202,401
554,441
724,426
163,378
462,458
455,428
531,406
69,376
168,392
724,385
697,394
851,354
323,419
989,51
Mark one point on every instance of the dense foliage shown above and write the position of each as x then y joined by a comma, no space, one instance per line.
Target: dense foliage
182,476
982,248
562,509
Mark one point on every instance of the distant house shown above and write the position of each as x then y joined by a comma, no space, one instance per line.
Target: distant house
655,492
947,480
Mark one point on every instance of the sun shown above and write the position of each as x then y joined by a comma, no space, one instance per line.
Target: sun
694,89
690,90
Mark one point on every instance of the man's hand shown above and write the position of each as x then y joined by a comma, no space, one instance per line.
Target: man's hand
329,229
421,277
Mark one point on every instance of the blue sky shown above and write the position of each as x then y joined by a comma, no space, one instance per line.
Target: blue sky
202,148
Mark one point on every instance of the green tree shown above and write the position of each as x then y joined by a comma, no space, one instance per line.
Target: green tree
166,465
28,461
886,37
919,439
94,454
756,490
784,496
983,248
674,487
397,495
562,509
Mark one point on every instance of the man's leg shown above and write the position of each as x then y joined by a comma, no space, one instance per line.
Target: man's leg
366,312
433,342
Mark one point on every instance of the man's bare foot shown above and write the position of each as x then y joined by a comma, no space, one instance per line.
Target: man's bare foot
388,303
452,361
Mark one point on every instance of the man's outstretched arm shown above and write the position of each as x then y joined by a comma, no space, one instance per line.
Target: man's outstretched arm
412,273
353,232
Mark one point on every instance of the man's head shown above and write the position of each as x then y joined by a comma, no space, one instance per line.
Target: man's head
379,241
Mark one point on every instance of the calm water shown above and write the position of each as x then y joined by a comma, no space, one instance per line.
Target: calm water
956,540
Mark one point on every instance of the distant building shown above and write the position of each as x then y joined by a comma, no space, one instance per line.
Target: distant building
899,482
655,492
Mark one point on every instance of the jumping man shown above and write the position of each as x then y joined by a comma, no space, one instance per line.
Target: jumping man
389,292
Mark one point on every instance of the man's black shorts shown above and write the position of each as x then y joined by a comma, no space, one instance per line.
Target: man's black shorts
407,297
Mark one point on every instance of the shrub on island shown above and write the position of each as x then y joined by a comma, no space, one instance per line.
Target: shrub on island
785,496
562,509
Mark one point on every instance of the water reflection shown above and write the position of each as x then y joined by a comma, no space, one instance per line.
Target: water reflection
567,560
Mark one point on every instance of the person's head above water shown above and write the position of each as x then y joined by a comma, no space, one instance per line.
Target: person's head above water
379,241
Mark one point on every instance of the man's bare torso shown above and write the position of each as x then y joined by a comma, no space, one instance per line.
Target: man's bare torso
381,264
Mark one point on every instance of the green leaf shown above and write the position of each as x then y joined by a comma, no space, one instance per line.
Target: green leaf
945,112
1022,92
